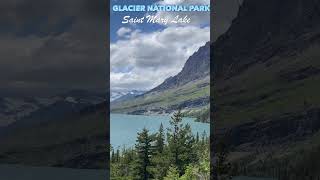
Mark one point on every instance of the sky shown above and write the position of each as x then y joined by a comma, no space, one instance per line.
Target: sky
144,55
50,47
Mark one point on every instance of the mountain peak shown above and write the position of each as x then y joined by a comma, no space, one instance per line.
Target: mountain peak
119,96
264,29
196,67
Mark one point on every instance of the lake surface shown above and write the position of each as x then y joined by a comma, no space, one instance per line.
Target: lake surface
15,172
124,128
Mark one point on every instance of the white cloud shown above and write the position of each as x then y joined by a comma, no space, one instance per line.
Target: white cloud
144,60
197,18
123,31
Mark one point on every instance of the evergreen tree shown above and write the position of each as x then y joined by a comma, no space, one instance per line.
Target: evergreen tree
160,166
181,156
173,174
117,157
112,159
203,136
189,174
126,162
159,160
160,140
145,150
180,143
197,137
173,134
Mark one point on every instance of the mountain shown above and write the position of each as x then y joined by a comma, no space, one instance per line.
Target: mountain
16,108
25,110
263,30
121,96
83,96
266,84
188,90
195,68
267,52
64,130
115,95
76,141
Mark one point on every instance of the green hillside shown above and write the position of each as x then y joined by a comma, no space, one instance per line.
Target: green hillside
191,97
189,91
268,89
79,141
267,101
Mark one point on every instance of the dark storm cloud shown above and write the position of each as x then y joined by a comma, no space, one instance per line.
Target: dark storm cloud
52,45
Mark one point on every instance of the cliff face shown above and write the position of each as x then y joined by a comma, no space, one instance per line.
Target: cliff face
196,67
262,30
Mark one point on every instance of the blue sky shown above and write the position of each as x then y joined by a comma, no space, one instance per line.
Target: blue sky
144,55
116,18
65,40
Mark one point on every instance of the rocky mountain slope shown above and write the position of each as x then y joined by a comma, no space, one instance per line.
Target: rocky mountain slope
264,29
17,109
65,130
188,90
262,57
195,68
77,141
266,78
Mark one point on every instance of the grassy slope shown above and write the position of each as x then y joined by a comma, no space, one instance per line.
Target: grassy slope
259,92
58,143
165,99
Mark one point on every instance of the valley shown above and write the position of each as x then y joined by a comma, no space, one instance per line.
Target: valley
189,91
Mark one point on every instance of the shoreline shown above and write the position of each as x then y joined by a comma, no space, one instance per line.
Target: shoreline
122,126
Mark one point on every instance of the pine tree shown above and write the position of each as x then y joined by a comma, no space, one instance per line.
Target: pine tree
160,165
197,137
173,174
173,134
117,157
180,143
160,139
112,156
145,150
203,136
159,160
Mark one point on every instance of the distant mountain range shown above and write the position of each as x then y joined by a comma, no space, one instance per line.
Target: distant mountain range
120,95
65,130
18,109
79,140
188,90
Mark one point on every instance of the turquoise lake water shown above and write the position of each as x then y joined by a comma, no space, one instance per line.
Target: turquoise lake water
124,128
